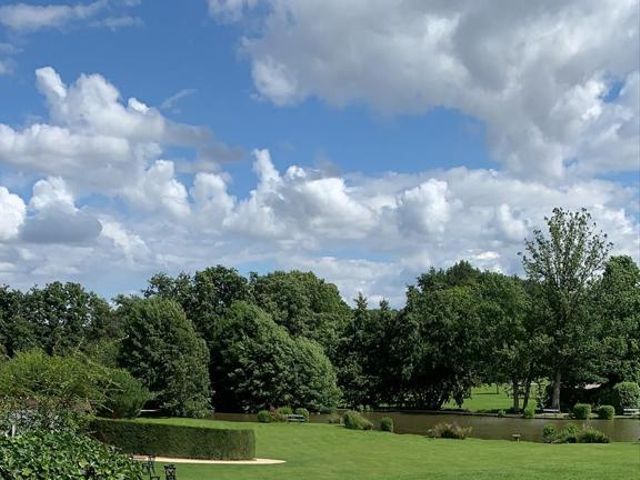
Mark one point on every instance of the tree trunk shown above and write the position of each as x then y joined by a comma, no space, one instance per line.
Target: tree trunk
516,396
527,394
555,402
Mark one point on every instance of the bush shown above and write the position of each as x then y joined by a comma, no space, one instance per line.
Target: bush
529,412
264,416
47,455
386,424
176,440
304,412
626,395
591,435
285,411
125,396
501,413
582,411
549,432
334,418
569,434
354,421
606,412
450,430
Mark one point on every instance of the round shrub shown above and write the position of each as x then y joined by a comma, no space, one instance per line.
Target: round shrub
591,435
626,395
529,412
582,411
125,396
354,421
549,432
569,434
264,416
386,424
48,455
302,411
606,412
285,410
450,430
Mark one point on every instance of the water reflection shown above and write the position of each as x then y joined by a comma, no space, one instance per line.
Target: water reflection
487,427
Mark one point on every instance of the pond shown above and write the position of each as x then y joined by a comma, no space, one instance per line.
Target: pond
487,427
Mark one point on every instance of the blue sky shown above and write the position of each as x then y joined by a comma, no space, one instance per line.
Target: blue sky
364,142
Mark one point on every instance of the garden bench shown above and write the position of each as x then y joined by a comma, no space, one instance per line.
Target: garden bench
550,410
296,418
631,411
149,467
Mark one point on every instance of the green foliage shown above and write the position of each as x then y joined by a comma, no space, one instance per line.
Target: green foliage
549,432
285,410
302,411
162,350
47,455
386,424
176,440
582,411
606,412
450,430
304,304
334,419
564,263
626,395
569,434
529,412
126,396
591,435
264,416
258,364
355,421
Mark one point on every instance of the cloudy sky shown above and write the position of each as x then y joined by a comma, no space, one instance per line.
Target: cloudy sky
365,140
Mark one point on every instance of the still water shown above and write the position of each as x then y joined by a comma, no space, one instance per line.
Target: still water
487,427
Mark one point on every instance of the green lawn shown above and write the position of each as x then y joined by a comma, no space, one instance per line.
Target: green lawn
330,452
485,398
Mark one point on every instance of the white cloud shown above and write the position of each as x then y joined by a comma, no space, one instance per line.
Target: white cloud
12,214
535,72
23,17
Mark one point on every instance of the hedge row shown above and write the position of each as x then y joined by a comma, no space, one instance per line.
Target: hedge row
175,440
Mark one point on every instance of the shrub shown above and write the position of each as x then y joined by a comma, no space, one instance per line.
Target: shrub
569,434
334,418
549,432
285,410
501,413
304,412
450,430
176,440
46,455
125,396
355,421
582,411
626,395
386,424
529,412
264,416
591,435
606,412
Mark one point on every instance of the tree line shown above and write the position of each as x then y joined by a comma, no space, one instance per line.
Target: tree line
218,339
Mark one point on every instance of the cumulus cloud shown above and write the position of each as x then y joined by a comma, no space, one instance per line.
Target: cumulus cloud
537,73
24,17
12,214
56,218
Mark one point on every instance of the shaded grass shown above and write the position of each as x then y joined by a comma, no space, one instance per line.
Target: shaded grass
484,399
329,452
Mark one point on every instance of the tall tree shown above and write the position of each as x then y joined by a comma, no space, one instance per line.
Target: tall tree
162,349
565,261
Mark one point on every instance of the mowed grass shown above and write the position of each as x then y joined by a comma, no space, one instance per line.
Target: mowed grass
330,452
485,399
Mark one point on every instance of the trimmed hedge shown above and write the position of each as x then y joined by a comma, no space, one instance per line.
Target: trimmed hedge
582,411
176,440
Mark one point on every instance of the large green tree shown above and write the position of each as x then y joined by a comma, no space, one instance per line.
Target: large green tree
565,261
162,349
258,364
